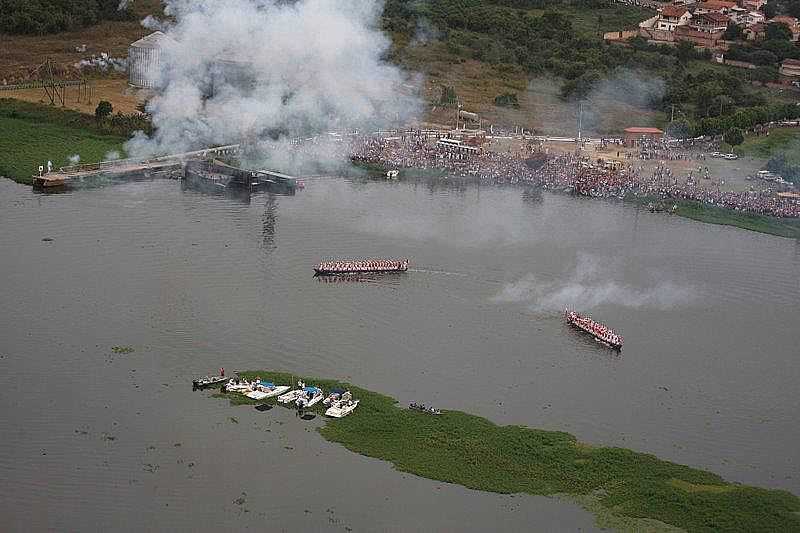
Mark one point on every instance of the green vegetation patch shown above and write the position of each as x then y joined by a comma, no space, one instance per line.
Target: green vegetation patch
122,349
621,484
31,134
779,140
782,227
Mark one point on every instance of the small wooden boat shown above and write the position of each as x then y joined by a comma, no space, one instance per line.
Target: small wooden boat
207,381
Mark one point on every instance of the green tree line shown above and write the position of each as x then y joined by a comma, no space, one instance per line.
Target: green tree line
40,17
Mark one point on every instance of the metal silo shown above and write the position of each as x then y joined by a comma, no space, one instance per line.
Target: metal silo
144,61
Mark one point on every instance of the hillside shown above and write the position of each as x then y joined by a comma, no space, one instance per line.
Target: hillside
522,63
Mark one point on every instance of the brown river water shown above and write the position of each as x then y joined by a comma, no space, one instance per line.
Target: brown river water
94,440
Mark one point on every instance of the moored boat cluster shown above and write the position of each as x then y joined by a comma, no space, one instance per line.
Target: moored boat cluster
339,402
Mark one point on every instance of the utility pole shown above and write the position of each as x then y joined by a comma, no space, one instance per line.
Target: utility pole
580,120
672,118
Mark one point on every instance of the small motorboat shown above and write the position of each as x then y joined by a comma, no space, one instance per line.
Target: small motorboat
265,389
207,381
308,397
235,385
422,408
335,395
342,407
293,394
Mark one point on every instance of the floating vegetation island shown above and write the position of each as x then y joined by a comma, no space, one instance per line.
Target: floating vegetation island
626,489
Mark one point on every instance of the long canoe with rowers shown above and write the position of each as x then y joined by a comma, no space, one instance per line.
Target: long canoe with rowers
597,330
328,268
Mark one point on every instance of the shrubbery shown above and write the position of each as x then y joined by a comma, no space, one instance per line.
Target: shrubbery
52,16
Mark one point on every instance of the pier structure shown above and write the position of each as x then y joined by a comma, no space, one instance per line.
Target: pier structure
122,167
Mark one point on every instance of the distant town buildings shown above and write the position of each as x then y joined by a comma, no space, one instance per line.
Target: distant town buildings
704,24
636,135
790,68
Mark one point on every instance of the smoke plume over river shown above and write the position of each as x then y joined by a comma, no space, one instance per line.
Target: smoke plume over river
262,72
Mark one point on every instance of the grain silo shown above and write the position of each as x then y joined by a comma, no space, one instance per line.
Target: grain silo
144,61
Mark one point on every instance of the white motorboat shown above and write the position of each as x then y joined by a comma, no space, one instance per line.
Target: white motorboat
256,394
207,381
342,407
266,389
334,396
241,386
292,395
309,396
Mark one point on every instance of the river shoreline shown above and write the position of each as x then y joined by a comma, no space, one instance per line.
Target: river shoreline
623,488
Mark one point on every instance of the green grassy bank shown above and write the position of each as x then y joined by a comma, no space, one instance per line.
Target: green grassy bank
626,489
784,140
782,227
30,134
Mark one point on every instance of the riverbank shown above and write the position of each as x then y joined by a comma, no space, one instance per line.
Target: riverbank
782,227
625,489
32,134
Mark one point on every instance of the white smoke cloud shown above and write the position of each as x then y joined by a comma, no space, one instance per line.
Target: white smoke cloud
425,32
592,285
266,71
152,23
74,159
104,63
113,155
124,4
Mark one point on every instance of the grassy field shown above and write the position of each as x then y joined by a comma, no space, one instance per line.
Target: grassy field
782,227
779,140
597,21
31,134
625,488
20,55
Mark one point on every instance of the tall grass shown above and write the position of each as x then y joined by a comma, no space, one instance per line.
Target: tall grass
31,134
471,451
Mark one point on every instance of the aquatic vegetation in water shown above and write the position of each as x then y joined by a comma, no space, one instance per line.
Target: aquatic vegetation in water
625,489
122,349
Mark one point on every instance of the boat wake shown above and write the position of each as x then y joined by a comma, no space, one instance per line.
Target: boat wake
589,286
442,272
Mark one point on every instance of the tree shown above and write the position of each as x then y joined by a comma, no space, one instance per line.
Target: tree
733,137
764,74
769,9
448,96
680,129
778,31
103,110
507,100
733,32
685,51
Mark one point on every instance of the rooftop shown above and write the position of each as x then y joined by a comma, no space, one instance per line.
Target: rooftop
673,11
713,17
150,41
717,4
637,129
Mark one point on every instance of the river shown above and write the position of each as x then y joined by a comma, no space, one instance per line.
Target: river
94,439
